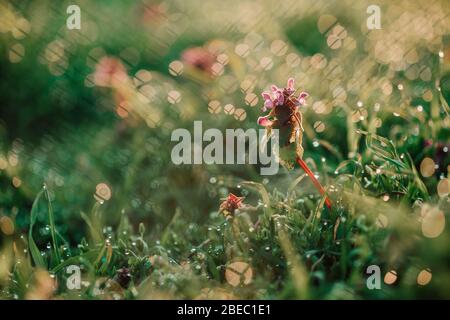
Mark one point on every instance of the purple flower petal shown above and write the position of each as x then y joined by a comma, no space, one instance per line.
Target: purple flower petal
303,95
266,95
290,85
279,97
268,104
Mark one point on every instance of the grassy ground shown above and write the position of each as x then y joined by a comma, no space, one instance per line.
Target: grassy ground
86,178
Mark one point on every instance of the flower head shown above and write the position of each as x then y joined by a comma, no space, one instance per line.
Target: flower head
283,96
230,204
285,116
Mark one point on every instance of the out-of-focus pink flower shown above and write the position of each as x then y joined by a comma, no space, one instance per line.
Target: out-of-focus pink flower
199,58
152,14
109,72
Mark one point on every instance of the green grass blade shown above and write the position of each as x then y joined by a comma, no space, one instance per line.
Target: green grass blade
34,250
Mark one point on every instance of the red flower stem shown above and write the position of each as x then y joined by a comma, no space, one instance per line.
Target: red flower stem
314,180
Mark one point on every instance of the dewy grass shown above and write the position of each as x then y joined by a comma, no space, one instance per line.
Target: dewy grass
53,231
300,246
90,113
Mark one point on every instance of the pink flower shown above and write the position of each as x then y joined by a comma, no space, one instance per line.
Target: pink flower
288,120
151,13
198,57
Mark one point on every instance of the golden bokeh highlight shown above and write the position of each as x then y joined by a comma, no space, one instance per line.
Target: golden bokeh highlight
427,167
174,96
102,192
176,68
214,107
424,277
217,69
293,60
3,163
215,294
6,225
319,126
325,22
16,182
16,53
229,109
433,221
443,187
390,277
239,274
382,221
242,50
240,114
44,285
223,59
279,47
251,99
266,63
